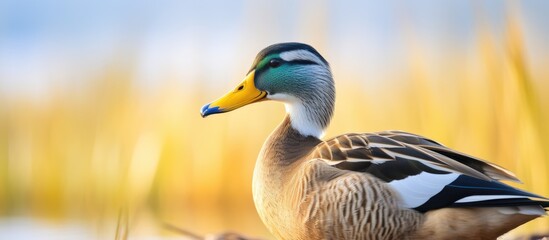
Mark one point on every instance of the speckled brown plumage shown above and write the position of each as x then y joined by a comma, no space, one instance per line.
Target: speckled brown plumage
300,196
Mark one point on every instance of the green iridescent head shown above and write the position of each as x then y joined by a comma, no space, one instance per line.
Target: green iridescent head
294,73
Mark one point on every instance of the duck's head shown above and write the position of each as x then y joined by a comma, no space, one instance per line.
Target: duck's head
293,73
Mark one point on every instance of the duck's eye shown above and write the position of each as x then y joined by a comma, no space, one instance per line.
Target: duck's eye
274,63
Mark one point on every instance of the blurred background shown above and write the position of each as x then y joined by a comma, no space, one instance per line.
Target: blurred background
100,132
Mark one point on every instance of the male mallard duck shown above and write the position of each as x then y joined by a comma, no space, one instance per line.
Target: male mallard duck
384,185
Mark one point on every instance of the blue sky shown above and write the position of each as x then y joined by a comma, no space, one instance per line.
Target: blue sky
64,42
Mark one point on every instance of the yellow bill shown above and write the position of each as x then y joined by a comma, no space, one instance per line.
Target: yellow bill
244,94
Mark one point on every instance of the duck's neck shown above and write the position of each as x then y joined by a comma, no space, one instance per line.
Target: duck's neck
310,107
279,158
305,121
310,115
286,145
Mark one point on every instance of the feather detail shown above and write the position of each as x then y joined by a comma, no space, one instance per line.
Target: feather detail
425,174
395,145
492,170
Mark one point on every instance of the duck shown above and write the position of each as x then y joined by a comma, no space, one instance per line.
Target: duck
380,185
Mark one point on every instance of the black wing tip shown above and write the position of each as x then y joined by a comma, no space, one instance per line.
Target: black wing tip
507,202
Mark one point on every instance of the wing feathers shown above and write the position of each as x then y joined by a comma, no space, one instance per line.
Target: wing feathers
383,147
426,174
357,141
360,153
492,170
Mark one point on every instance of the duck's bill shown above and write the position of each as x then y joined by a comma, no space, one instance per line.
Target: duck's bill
244,94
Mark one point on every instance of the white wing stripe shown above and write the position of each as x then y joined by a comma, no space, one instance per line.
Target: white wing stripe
383,145
478,198
395,155
418,189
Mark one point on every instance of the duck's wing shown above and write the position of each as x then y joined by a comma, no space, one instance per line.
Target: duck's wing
426,174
